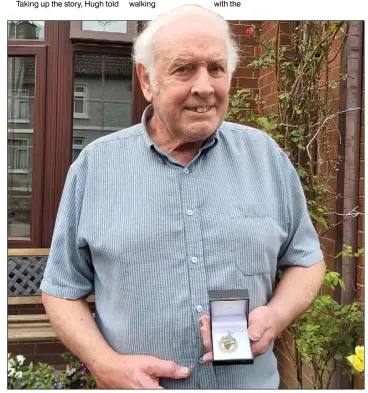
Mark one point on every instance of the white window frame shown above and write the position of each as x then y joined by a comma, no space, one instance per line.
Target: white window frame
84,96
15,98
26,147
79,146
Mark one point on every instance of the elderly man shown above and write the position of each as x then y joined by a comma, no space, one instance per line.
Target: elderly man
155,216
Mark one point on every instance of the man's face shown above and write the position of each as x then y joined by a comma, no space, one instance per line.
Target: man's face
192,81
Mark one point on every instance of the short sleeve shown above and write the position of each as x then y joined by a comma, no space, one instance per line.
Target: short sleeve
69,270
302,246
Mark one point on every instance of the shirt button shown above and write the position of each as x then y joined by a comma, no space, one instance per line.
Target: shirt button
201,361
186,170
199,308
194,259
190,212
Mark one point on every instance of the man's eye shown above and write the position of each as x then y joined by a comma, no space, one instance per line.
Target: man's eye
218,68
182,69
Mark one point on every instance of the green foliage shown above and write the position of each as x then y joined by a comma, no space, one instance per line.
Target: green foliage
327,332
44,376
347,251
302,112
77,374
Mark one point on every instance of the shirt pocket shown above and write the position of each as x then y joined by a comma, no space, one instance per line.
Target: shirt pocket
252,246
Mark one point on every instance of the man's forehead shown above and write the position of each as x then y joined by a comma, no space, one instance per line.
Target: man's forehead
193,51
191,56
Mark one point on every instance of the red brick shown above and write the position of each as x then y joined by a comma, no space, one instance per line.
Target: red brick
358,382
265,91
289,380
333,137
271,78
335,62
269,36
52,359
248,83
360,239
361,167
21,348
256,73
361,204
361,186
285,39
239,30
271,99
360,291
274,87
50,348
233,86
247,51
266,26
286,27
361,223
244,72
245,40
286,362
257,51
360,274
334,74
263,81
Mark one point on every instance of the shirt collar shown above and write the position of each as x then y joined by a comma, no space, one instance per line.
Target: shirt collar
146,116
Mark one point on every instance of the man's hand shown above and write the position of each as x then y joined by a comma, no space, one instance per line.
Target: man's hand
136,372
262,330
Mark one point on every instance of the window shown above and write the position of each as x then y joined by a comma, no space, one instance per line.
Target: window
80,101
119,31
18,155
18,106
109,99
110,26
26,74
78,145
47,126
26,29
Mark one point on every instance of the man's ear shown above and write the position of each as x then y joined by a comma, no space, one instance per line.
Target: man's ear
145,82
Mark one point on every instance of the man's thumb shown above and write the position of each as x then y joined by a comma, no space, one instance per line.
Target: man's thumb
255,332
167,369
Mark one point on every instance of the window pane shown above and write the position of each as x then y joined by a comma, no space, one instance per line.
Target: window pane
108,83
76,153
21,90
79,89
26,29
110,26
78,105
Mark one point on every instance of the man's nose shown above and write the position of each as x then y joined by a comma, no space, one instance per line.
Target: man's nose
202,85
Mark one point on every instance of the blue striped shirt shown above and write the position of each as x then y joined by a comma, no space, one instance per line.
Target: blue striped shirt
150,237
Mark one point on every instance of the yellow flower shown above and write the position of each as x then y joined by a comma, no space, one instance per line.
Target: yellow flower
357,360
359,351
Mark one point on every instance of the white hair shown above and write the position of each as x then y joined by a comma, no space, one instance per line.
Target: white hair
144,44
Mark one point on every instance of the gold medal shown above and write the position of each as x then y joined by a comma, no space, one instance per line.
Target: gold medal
228,343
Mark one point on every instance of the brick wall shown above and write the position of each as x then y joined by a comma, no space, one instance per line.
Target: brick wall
245,77
267,89
45,351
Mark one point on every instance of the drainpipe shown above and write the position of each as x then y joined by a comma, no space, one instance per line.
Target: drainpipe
348,174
